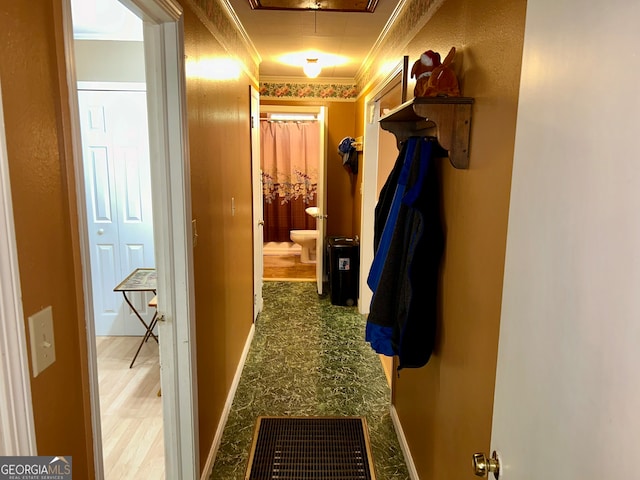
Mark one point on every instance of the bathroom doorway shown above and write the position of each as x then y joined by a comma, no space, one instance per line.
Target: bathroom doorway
293,181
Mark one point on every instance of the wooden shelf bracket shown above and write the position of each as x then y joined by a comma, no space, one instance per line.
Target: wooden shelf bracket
446,118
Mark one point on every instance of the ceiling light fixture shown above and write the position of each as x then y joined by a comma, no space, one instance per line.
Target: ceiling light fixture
311,68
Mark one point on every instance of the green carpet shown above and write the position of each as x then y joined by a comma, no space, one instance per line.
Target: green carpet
309,357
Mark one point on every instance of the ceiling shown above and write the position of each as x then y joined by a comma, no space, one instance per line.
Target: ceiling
340,40
104,20
346,35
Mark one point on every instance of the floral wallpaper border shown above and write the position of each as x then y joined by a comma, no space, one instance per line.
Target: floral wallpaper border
321,91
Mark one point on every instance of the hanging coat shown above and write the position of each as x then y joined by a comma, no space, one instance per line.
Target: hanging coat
405,272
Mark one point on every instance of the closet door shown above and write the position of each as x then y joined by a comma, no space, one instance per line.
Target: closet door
118,196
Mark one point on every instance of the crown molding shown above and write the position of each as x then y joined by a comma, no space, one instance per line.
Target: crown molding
382,38
406,21
220,19
250,46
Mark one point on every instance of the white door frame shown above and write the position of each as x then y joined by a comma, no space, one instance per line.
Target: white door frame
17,430
369,183
321,217
258,213
368,192
321,113
166,98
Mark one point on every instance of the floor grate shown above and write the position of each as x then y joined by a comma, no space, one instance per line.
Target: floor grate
301,448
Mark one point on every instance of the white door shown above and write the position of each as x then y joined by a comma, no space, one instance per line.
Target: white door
321,217
115,145
258,214
568,389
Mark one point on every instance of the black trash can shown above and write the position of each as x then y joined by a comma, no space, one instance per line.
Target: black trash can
344,269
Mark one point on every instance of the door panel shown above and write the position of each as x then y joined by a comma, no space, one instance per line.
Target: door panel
100,180
103,297
567,386
258,214
118,189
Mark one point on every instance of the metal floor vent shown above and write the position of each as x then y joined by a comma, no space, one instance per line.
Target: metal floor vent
301,448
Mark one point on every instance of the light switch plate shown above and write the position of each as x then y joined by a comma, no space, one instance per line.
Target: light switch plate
43,351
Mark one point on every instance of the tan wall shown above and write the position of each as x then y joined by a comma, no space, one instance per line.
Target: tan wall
445,408
341,186
219,145
46,232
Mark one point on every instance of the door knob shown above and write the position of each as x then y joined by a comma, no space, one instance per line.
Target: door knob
483,466
100,231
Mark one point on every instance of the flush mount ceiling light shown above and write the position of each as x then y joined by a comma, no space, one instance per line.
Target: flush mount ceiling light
319,60
312,68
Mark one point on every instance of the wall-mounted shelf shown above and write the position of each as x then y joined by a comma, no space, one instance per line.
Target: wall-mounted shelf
446,118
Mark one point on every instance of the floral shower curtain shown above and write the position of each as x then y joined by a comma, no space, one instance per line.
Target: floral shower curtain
289,161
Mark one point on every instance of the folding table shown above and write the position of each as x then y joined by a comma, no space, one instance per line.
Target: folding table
140,280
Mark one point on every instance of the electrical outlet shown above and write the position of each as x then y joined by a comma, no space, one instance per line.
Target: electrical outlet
43,349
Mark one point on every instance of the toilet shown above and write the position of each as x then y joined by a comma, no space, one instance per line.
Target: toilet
307,240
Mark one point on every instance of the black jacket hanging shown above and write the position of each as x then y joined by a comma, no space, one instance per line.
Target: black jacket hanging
404,304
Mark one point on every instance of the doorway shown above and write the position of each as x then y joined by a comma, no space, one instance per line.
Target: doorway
120,233
166,105
380,150
112,101
283,259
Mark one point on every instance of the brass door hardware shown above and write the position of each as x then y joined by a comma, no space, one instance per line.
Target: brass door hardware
483,466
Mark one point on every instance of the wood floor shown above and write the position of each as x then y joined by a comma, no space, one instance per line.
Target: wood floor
131,410
288,267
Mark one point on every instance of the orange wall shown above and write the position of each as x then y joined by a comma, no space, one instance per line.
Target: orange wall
341,185
32,72
446,407
219,147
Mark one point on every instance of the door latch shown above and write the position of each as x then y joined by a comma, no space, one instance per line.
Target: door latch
483,466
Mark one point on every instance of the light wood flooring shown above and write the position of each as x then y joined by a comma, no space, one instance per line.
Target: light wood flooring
288,267
131,410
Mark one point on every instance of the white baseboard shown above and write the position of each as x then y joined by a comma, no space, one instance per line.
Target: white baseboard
206,472
413,473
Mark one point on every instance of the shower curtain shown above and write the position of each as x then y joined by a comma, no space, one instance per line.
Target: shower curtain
289,161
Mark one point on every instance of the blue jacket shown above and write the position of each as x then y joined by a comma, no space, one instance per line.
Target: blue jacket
408,244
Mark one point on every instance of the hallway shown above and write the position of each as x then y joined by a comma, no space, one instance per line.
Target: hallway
308,357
